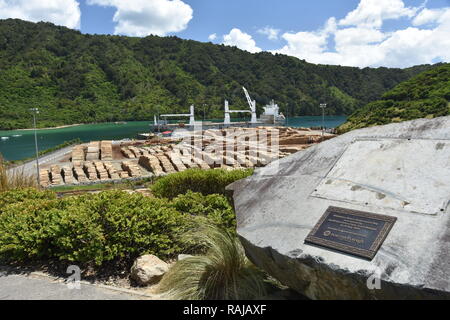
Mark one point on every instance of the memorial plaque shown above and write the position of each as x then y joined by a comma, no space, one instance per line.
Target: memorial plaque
354,232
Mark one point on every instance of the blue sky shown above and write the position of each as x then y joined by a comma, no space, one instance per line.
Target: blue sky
394,33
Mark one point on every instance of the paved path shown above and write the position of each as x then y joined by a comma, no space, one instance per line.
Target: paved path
32,287
30,166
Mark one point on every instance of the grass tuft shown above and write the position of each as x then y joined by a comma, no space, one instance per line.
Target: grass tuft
14,178
222,273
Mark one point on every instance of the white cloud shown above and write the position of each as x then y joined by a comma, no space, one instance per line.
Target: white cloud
360,41
271,33
427,16
371,13
60,12
309,45
241,40
212,37
144,17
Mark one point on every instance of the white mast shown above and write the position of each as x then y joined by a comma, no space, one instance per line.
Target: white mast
227,120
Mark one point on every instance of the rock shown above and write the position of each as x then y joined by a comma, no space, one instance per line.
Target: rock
148,269
184,256
400,170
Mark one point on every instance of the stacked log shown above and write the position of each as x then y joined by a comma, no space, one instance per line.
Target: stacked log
135,151
68,175
166,164
176,161
151,163
90,170
201,163
106,150
44,178
79,173
127,153
132,169
124,174
93,151
102,173
112,171
55,173
78,153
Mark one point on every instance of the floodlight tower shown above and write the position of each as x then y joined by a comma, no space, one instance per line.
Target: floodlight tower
323,106
35,112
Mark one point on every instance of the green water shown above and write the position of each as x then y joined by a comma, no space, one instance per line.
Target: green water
22,147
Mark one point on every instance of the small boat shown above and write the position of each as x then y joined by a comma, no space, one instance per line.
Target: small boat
4,138
17,135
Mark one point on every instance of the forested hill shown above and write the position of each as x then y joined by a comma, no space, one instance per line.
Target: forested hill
77,78
426,95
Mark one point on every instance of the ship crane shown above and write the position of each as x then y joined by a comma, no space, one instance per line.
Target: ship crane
252,104
228,112
190,115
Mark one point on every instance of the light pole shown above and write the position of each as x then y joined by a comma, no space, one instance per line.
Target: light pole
35,112
323,106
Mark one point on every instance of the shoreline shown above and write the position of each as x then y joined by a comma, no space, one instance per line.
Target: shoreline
51,128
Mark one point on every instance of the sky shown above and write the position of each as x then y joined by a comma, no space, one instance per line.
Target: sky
360,33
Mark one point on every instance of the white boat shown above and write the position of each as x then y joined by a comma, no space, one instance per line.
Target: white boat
272,115
17,135
4,138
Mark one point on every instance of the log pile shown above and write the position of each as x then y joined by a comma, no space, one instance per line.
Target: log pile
152,164
44,177
67,173
79,173
132,168
106,150
55,173
90,170
112,171
78,153
93,151
101,170
232,148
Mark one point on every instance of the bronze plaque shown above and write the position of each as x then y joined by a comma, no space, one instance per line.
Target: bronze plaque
354,232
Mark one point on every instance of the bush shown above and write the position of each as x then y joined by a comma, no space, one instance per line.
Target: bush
21,195
215,207
91,229
205,182
223,273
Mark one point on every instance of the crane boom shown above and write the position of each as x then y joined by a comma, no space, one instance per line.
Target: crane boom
249,100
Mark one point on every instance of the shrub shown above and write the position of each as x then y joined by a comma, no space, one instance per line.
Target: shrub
27,228
223,273
205,182
91,229
215,207
21,195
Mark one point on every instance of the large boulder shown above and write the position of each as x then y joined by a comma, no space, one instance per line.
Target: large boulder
148,269
401,170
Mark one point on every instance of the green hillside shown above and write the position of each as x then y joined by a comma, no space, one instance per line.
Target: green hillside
77,78
425,96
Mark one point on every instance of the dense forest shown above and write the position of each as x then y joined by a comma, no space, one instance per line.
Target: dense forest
80,78
426,95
